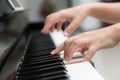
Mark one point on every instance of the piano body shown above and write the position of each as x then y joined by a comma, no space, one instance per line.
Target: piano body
25,52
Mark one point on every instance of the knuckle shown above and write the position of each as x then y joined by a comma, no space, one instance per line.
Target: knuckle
91,52
50,18
97,46
84,34
66,41
75,42
62,12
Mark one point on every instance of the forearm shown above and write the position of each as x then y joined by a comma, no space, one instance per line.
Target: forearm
107,12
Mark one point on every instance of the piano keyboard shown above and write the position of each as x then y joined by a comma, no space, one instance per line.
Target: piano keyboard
38,63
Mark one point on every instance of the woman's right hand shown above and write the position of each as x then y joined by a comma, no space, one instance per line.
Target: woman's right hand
74,15
90,42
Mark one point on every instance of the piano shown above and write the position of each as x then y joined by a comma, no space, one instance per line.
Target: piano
25,52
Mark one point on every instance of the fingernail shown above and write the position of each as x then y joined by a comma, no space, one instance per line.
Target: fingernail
65,34
53,52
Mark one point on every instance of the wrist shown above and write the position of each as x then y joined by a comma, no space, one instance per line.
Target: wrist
85,8
116,29
89,8
94,9
113,32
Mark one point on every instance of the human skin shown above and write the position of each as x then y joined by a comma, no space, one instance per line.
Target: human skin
91,41
107,12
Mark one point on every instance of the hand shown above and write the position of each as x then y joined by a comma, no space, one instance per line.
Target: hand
107,12
90,42
75,16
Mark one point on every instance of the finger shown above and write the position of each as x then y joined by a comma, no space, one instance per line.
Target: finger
51,21
70,51
67,44
72,26
59,25
82,50
48,25
52,29
91,51
70,48
58,49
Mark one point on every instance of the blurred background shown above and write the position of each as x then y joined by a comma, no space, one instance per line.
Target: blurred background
106,61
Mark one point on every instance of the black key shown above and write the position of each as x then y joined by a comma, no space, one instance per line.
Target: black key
37,48
42,76
41,49
43,70
42,52
40,66
41,59
41,62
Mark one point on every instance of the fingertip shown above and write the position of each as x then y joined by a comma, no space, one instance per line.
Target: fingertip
53,52
46,28
44,31
58,30
66,58
66,34
69,58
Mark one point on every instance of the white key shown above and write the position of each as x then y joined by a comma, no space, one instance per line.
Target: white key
83,71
